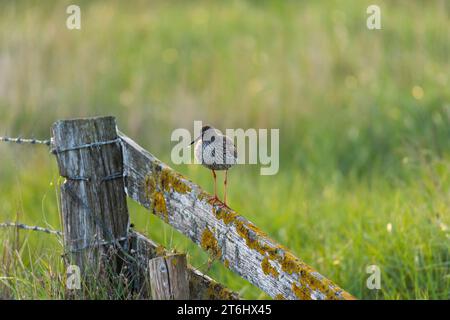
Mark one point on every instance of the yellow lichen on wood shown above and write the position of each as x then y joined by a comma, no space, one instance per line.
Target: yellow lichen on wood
268,268
316,282
290,264
164,179
172,180
159,181
150,185
308,278
323,285
227,216
159,206
251,235
156,197
210,244
279,297
301,291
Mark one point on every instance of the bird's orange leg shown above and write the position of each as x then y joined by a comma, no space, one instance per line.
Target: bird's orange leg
225,188
224,203
214,199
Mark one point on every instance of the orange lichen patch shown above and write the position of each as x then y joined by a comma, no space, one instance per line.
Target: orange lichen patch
227,216
268,268
154,196
323,285
210,244
171,180
159,181
251,235
150,187
279,297
226,263
290,263
308,278
301,291
317,282
273,253
165,180
159,206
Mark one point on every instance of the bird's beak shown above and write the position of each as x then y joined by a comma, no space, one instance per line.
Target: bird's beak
195,140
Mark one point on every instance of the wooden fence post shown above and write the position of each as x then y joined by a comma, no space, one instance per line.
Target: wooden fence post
93,201
201,287
169,277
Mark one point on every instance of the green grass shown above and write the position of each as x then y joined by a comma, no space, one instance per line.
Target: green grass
364,120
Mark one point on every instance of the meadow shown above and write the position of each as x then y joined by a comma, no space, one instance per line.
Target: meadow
364,119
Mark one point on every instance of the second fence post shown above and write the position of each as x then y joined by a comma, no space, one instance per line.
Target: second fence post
169,278
93,201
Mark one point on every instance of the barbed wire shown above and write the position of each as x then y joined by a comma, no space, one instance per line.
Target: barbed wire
88,145
48,142
30,228
20,140
114,241
97,242
123,247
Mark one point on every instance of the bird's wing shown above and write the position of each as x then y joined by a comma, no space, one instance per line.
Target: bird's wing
230,150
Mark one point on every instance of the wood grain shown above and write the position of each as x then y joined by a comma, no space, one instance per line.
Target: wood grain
94,209
169,277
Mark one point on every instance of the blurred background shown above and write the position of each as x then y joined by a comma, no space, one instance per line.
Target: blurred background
364,119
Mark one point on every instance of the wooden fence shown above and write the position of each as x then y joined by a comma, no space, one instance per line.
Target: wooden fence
102,166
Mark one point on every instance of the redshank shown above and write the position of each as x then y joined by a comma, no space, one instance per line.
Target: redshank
215,151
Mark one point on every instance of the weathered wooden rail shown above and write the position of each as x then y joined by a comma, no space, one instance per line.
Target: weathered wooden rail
92,150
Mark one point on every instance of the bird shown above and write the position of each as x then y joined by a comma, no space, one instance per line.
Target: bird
215,151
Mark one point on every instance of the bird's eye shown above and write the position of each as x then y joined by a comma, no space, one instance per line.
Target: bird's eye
213,138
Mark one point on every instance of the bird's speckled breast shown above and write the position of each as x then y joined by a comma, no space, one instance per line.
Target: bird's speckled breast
216,155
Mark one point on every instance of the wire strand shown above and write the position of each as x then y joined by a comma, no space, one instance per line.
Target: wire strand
20,140
30,228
